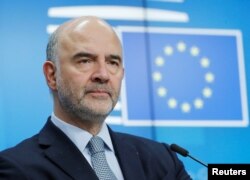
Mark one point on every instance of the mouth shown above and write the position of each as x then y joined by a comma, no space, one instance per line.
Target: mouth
99,93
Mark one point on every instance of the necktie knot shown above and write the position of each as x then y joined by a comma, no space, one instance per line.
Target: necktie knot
96,145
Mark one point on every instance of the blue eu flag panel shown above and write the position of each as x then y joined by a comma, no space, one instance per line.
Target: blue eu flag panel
187,65
192,77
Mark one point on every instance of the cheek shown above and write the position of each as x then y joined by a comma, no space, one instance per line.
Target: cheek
120,78
73,75
117,83
76,81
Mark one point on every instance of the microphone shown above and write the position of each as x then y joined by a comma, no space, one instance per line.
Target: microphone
184,152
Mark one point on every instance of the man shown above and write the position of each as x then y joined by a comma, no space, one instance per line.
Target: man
84,70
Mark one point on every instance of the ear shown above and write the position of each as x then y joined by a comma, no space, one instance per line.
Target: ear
49,70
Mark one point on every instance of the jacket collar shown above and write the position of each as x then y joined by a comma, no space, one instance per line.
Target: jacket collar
59,149
128,157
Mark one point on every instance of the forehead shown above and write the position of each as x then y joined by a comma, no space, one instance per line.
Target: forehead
89,35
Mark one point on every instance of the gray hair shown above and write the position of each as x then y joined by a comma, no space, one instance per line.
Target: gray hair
51,51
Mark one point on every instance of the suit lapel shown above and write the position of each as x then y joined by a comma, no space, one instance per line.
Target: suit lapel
128,158
62,152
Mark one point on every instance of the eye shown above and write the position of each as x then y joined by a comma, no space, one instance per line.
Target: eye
114,63
85,61
85,64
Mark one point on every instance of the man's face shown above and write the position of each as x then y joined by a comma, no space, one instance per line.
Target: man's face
89,71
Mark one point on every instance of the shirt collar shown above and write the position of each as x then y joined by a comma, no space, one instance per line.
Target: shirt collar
81,137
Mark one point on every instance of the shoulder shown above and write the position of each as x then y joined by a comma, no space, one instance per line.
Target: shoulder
13,160
23,145
138,139
155,157
146,145
23,151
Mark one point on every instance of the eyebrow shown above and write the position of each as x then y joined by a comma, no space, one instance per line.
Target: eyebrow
112,56
85,54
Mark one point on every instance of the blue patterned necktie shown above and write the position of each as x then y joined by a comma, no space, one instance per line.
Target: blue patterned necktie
98,159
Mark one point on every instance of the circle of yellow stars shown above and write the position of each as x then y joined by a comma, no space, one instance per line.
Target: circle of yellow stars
209,77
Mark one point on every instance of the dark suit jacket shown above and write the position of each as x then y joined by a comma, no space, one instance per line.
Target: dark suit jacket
51,155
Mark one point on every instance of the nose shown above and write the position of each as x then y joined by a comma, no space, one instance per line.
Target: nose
100,74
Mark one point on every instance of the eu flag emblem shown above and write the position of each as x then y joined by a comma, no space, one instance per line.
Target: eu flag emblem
192,77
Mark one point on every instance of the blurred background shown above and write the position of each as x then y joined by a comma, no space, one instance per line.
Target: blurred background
187,65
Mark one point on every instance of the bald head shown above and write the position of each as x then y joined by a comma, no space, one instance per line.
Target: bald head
84,25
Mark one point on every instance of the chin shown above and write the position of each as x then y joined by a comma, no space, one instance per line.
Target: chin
101,106
103,112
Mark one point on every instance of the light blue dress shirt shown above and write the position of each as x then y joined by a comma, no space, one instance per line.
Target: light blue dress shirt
81,138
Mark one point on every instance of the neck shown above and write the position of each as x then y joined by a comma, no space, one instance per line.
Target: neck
93,126
86,121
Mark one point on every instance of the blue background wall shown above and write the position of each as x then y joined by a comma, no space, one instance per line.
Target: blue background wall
25,102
